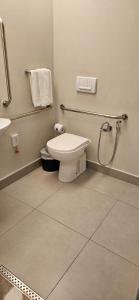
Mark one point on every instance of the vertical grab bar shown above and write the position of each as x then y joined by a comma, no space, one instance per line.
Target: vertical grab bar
6,65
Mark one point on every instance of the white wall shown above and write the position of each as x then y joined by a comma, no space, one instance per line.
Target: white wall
91,38
100,38
29,32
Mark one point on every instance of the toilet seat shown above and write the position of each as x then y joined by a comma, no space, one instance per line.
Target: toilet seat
67,142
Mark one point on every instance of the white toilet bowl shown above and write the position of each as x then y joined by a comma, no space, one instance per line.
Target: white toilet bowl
69,149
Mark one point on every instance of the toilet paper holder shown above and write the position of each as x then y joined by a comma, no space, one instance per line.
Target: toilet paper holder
59,128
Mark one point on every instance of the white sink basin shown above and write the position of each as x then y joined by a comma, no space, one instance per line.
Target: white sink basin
4,124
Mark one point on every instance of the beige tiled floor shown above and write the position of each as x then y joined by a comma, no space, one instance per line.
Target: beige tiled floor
77,208
118,189
98,274
39,251
34,188
11,211
77,241
120,232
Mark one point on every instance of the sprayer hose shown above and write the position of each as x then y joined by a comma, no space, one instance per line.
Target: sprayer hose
115,145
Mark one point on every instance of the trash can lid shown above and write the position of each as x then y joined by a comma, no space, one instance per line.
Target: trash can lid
45,154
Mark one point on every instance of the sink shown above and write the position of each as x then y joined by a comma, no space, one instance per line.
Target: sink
4,124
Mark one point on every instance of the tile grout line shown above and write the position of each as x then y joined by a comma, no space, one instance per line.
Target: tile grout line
128,204
56,220
49,196
63,184
17,199
107,194
59,222
66,226
109,250
25,203
81,250
89,238
100,192
116,198
88,189
105,217
101,245
20,221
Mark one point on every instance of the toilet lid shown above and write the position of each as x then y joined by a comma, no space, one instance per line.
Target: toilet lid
67,142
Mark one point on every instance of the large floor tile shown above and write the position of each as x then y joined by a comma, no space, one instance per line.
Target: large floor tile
34,188
112,186
97,274
89,179
103,183
119,189
11,212
39,250
120,232
131,195
79,208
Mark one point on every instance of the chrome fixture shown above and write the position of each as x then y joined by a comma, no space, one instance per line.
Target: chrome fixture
6,65
106,127
30,113
27,71
121,117
18,284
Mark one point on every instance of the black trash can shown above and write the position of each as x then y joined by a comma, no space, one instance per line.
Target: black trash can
48,163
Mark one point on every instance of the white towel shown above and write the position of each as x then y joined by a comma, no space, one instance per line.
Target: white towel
41,87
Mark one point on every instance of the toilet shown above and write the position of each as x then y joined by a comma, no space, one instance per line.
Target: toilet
69,149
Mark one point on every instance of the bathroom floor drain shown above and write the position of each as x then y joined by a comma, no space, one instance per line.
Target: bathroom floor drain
13,288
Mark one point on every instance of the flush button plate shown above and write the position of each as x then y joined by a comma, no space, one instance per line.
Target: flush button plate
86,84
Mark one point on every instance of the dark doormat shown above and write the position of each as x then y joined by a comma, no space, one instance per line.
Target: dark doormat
12,288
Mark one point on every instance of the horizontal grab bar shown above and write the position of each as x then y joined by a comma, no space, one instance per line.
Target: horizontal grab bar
6,65
122,117
30,113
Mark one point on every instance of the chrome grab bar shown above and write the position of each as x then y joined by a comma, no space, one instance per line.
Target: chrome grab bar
122,117
6,65
30,113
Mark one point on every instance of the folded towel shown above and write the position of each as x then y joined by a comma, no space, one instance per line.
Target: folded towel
41,87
